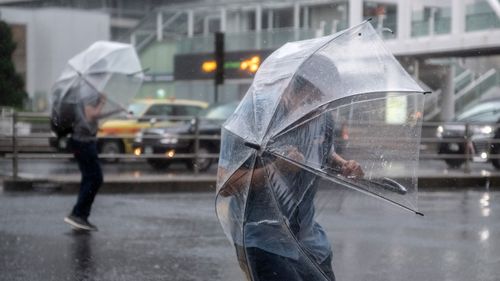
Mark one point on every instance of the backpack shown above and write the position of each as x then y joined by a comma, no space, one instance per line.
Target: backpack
62,116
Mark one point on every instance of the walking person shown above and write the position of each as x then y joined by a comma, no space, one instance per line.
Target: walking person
98,82
83,144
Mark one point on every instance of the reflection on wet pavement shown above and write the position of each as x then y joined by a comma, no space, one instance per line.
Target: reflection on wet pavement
81,255
177,237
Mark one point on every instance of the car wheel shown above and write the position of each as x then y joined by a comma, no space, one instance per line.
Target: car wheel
158,164
202,163
495,151
111,147
453,149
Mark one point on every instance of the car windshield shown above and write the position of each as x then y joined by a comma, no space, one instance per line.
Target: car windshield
137,109
220,112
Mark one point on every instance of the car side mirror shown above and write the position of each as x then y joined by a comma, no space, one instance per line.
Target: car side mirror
152,121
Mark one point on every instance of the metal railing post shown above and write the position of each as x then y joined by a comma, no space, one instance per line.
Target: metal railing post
467,143
196,145
14,146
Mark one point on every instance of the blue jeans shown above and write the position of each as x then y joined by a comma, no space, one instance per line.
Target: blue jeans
88,162
259,265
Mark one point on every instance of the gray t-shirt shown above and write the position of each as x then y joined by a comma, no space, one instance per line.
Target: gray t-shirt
83,129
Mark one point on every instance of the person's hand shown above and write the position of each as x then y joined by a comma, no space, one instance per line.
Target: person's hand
102,99
235,183
291,153
351,169
294,154
229,190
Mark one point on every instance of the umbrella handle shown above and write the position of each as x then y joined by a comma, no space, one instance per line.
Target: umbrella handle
252,145
144,70
384,182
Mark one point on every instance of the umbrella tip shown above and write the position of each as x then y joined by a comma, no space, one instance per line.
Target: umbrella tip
388,30
420,214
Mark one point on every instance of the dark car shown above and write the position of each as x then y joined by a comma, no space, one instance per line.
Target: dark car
169,141
482,131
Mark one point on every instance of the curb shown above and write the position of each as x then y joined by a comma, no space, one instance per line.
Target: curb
452,183
208,184
128,186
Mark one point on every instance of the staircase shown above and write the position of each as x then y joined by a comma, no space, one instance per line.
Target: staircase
157,25
470,89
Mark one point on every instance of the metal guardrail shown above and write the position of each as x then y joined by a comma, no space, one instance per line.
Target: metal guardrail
19,140
10,141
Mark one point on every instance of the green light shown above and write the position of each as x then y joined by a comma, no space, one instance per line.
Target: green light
232,65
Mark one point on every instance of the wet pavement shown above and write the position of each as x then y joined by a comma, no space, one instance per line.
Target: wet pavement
46,168
147,237
176,236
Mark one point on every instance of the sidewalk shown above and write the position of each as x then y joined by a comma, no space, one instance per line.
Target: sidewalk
114,183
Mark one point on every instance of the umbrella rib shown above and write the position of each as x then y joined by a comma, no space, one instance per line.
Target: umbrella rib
105,55
319,48
292,126
245,159
338,180
310,55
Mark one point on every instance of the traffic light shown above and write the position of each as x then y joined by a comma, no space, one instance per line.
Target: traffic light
219,58
251,65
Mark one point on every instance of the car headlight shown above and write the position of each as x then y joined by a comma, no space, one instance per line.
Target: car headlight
439,131
169,139
138,137
486,130
483,131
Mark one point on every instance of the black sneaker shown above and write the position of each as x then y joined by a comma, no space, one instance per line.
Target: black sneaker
94,228
80,223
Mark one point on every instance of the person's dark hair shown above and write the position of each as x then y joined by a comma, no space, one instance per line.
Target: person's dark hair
313,79
305,89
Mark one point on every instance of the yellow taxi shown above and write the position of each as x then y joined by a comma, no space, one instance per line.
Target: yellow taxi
115,136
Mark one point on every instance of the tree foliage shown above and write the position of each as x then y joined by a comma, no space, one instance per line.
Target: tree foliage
11,83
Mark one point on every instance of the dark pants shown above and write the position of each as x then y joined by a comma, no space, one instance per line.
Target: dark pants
86,155
264,266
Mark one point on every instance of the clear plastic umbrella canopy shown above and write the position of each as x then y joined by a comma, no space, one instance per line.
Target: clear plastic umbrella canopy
343,95
109,68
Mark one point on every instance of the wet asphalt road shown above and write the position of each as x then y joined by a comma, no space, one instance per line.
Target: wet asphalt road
177,237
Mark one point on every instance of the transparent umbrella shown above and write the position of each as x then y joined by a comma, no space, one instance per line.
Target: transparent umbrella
105,68
313,106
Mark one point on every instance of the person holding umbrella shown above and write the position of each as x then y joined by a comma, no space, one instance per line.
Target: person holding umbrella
266,254
88,90
279,142
83,144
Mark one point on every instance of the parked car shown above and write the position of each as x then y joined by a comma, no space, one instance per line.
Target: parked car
172,140
116,135
482,128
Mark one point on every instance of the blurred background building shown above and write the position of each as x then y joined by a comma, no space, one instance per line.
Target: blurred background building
451,47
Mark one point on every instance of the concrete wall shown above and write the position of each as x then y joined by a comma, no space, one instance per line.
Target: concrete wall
53,37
